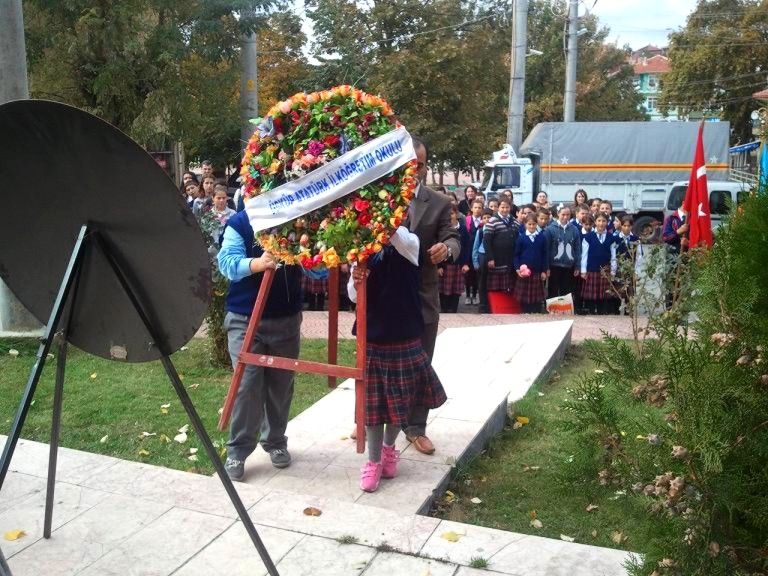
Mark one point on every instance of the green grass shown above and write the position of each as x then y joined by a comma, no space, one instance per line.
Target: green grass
121,401
535,472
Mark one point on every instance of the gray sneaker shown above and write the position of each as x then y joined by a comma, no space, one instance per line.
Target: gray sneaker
280,457
235,469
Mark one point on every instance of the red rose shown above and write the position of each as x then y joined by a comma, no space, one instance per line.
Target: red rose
331,140
361,205
277,122
363,218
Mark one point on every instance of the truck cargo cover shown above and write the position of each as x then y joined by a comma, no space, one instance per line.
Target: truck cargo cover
581,152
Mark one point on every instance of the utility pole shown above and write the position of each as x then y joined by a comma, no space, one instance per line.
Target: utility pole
517,74
249,93
569,100
13,58
14,318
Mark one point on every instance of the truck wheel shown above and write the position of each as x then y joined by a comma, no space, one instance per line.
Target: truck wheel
647,229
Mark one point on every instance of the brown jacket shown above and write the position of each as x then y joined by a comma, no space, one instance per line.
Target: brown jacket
429,217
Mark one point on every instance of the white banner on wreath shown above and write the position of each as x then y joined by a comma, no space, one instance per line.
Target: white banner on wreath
329,182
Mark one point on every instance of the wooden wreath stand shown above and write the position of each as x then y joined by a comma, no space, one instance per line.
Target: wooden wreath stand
331,369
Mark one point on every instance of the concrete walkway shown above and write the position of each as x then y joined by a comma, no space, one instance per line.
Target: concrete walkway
119,517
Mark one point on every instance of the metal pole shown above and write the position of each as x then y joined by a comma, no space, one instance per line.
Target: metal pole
249,93
517,77
13,58
569,101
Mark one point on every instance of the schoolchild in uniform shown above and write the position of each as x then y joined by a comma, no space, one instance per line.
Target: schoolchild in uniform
531,266
628,252
451,281
564,245
606,209
479,263
543,217
397,368
472,223
598,266
499,237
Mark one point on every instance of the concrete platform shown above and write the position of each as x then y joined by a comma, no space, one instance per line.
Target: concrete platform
120,517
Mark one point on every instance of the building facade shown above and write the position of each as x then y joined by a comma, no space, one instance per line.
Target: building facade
650,63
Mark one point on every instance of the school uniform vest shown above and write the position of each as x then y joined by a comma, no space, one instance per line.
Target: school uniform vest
599,254
532,254
284,299
393,302
623,244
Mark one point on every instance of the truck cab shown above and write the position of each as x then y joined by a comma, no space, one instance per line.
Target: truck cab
507,171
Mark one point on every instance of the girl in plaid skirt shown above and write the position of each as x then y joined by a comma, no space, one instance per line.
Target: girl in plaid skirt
451,282
314,291
397,369
598,266
531,252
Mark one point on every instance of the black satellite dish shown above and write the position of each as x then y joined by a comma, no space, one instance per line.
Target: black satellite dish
108,258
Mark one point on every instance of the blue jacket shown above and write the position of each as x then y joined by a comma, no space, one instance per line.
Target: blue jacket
285,298
533,254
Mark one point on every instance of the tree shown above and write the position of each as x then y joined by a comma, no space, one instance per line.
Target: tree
160,70
718,62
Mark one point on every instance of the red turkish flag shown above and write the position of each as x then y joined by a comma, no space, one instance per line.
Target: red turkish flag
696,203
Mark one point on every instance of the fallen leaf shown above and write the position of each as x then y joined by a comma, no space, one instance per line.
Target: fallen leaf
194,386
93,376
344,438
184,348
476,500
516,426
426,572
148,434
163,410
193,457
312,511
104,439
483,479
522,419
221,410
164,438
12,535
594,533
13,352
541,393
537,523
565,538
531,468
168,405
49,356
598,371
618,537
592,507
184,429
143,452
532,514
451,536
181,437
193,450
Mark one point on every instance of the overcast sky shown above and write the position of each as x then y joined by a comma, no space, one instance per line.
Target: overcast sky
640,22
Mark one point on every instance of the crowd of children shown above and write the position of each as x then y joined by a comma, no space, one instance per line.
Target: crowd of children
538,251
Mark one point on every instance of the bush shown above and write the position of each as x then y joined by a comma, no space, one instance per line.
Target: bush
692,443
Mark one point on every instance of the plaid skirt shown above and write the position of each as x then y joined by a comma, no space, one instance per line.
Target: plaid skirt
399,376
597,286
313,286
452,280
499,280
529,290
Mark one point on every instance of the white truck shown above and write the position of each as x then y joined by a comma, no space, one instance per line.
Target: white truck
635,165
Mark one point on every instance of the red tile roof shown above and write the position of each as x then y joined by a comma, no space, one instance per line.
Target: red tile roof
654,65
762,95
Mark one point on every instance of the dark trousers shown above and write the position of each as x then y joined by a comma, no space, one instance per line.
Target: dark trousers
316,301
471,282
560,281
482,287
449,303
417,417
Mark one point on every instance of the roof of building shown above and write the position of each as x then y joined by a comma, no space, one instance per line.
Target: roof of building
654,65
762,95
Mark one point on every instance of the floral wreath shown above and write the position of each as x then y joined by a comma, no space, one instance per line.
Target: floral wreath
304,132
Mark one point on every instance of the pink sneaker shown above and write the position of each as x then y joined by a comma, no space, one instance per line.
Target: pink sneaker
370,477
389,458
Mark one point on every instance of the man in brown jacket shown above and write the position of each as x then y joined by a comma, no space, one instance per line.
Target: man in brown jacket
429,217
